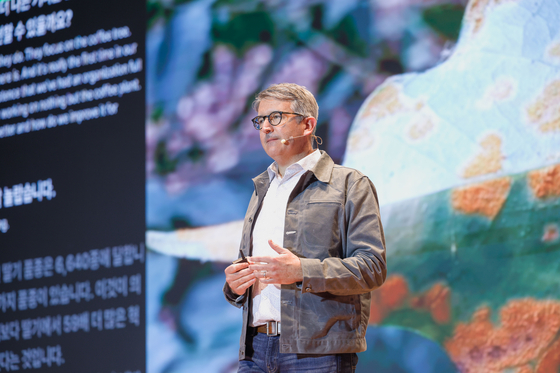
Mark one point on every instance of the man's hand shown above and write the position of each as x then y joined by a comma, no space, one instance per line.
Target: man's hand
239,277
282,269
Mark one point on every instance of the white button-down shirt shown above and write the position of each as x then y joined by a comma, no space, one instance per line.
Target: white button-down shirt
270,226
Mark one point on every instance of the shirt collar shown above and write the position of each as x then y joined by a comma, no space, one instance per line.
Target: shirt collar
306,163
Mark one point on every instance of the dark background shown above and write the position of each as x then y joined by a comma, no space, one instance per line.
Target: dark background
97,169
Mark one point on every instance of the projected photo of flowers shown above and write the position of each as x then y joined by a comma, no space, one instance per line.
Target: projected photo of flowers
442,104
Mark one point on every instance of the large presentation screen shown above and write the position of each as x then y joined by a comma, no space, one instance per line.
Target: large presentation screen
72,252
127,155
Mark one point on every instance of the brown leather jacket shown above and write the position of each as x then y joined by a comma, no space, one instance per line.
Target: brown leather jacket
333,226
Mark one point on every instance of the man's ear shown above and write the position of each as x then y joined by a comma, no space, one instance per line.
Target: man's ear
309,124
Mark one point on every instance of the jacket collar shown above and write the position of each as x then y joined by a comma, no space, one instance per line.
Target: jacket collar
322,171
324,168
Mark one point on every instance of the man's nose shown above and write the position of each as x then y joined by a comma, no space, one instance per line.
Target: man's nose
266,126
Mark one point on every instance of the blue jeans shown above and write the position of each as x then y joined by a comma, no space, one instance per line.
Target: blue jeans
266,357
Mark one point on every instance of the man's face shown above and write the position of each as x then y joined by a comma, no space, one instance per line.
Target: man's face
271,136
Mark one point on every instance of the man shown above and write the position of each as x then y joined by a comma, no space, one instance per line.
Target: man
316,246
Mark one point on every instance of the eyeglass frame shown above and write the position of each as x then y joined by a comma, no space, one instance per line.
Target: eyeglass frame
259,127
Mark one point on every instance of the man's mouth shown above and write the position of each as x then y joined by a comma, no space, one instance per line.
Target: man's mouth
271,139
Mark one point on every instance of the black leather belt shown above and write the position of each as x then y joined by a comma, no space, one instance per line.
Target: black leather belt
271,328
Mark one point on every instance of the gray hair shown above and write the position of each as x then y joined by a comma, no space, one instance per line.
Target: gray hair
301,100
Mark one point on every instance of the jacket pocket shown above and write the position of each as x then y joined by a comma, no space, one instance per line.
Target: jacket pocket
321,228
324,314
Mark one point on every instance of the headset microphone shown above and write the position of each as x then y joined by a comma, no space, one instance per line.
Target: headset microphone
286,141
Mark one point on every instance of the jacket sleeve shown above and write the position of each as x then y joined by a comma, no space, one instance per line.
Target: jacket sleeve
363,267
234,299
231,297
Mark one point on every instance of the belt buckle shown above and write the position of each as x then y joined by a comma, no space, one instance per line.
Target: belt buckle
272,328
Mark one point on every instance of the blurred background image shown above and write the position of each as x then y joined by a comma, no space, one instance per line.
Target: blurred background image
453,111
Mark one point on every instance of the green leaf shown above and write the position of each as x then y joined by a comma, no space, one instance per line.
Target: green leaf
244,30
445,19
164,164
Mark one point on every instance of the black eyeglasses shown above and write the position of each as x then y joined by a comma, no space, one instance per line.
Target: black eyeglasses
274,119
